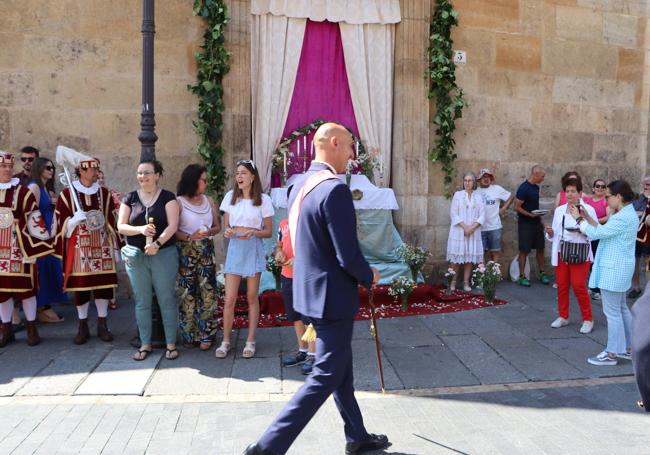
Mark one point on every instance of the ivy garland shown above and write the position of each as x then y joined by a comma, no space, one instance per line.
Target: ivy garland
443,89
212,66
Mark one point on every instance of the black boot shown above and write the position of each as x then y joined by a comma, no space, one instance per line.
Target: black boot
7,334
102,330
32,334
83,333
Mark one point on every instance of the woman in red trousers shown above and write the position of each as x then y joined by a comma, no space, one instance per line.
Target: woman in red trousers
571,275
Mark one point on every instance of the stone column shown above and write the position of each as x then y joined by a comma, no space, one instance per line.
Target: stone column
411,168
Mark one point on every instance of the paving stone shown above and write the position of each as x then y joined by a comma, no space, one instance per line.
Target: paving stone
256,375
482,361
576,352
119,374
366,371
198,371
444,324
434,366
268,342
20,364
405,332
533,360
65,372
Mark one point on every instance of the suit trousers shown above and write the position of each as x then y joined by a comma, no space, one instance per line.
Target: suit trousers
641,347
331,375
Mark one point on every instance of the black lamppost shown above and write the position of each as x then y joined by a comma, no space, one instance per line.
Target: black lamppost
148,137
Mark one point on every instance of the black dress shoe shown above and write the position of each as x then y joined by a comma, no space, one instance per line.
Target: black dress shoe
255,449
372,442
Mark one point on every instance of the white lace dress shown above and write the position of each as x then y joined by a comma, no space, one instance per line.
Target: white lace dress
467,210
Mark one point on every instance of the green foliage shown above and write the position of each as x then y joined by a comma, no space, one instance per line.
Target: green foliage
443,89
212,66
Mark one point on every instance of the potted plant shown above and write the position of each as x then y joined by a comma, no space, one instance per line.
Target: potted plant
273,266
486,276
400,288
415,257
450,277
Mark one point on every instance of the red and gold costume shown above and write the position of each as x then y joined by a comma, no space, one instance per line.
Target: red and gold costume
88,257
23,237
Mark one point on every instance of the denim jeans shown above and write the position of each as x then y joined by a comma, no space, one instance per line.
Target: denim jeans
148,274
619,321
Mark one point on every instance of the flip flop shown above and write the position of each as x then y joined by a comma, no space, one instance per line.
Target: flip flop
171,354
141,354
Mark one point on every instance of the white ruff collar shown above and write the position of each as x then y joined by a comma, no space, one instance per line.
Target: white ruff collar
84,189
13,182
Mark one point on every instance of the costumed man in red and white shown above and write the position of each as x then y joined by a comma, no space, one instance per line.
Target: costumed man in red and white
86,235
23,238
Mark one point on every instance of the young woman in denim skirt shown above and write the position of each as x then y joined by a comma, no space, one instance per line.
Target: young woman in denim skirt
247,220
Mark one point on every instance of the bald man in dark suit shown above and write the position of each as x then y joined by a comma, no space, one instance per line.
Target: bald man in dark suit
328,268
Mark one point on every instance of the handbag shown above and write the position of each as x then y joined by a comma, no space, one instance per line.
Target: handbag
572,252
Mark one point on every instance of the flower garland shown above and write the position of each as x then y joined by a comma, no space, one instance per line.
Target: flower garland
443,89
212,66
366,161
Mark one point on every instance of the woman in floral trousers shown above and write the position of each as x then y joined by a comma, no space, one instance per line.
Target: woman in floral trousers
197,284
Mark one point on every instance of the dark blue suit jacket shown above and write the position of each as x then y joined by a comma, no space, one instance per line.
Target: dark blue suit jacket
328,263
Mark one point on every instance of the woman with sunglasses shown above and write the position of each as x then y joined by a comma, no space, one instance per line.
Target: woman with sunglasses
149,219
599,203
613,267
197,274
50,275
247,220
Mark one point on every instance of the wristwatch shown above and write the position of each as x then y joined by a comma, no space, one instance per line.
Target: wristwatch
157,243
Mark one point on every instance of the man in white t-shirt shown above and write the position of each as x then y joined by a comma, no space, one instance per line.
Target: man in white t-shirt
497,200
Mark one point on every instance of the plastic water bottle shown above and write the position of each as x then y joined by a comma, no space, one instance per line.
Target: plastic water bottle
149,238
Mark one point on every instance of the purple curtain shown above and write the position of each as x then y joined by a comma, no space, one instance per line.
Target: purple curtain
321,89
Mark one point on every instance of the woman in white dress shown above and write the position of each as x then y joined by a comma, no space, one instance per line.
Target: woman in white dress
464,245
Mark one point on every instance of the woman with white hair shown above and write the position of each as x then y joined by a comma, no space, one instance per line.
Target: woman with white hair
464,245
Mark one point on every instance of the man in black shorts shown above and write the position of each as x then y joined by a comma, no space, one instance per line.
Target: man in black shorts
531,230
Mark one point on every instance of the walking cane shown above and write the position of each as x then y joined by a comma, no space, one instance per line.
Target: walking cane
375,335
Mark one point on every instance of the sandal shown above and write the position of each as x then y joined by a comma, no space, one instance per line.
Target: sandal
171,354
249,350
205,345
141,354
467,287
222,351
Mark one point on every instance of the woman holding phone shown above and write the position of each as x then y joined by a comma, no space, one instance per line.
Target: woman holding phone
247,220
571,273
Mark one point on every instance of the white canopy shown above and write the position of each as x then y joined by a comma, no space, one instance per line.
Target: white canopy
350,11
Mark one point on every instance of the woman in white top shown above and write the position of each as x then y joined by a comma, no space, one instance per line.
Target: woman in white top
569,275
464,245
197,274
247,220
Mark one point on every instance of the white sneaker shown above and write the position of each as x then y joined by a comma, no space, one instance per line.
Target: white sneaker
587,327
559,322
602,359
624,356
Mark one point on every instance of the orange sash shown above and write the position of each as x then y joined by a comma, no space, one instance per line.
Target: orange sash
294,212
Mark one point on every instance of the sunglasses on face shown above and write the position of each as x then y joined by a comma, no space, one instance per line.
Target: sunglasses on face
26,159
251,162
602,187
49,168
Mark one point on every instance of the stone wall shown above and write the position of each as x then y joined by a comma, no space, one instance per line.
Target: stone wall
562,83
70,73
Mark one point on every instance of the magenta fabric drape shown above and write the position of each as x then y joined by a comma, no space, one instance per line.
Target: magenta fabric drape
321,89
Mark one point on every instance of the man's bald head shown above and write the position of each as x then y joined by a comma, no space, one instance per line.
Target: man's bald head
333,144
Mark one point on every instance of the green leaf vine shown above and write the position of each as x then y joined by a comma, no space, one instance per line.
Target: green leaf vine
212,66
443,89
